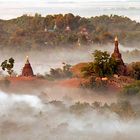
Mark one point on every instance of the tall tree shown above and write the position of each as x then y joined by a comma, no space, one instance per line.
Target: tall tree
103,65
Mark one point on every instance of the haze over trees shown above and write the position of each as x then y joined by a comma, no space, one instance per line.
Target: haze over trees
60,73
134,70
34,32
132,89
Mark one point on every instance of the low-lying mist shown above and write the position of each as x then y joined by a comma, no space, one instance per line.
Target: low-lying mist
34,112
45,59
29,117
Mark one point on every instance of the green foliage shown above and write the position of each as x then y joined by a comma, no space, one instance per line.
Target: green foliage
135,72
88,70
80,108
103,65
8,65
123,109
132,90
25,32
96,105
59,73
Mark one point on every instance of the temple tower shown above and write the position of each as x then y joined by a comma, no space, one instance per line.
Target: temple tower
116,54
118,57
27,69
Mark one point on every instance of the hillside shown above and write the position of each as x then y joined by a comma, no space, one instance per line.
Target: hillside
34,32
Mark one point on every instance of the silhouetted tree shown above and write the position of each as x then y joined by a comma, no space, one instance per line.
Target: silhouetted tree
8,65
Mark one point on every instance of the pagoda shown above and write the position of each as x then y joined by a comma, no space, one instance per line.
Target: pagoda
27,69
68,29
118,57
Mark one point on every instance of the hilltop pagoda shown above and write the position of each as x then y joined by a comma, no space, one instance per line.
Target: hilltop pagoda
27,69
118,57
68,29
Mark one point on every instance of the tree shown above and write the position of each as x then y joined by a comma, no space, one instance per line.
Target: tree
123,108
135,72
88,70
66,70
104,65
60,73
131,90
96,105
69,18
80,108
8,65
60,21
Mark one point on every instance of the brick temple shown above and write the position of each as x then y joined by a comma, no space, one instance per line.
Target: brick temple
118,57
27,70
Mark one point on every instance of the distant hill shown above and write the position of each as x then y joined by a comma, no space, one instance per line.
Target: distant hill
34,32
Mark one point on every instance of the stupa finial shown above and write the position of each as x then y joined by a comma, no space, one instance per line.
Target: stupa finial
27,59
116,38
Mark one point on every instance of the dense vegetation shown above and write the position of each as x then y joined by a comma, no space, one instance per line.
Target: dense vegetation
132,89
104,69
103,65
99,71
31,32
134,70
123,109
58,73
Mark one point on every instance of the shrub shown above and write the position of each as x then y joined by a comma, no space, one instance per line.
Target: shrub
131,90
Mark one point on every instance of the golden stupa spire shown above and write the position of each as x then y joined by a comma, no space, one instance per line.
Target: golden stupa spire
27,59
116,38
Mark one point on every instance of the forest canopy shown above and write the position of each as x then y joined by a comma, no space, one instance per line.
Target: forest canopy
31,32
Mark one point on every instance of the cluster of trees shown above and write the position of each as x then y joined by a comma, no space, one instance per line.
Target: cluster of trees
99,71
102,66
123,108
134,70
60,73
30,32
132,89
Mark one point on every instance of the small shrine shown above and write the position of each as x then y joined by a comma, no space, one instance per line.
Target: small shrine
27,69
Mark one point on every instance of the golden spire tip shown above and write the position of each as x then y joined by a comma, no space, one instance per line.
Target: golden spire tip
116,38
27,59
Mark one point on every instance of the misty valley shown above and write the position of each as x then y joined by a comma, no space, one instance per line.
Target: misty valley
66,76
59,96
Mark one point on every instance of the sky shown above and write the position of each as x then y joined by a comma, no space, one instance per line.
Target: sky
14,8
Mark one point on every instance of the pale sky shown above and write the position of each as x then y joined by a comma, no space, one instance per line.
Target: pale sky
13,8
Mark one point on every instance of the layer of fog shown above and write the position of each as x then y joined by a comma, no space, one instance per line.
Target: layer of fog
27,117
12,9
42,61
